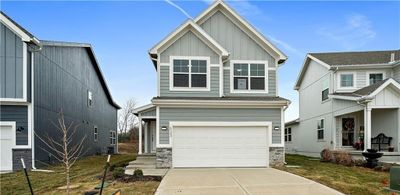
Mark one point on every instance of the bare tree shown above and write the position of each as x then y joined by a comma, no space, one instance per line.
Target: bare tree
65,149
126,119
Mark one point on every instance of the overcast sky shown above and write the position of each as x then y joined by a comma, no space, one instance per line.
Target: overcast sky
122,32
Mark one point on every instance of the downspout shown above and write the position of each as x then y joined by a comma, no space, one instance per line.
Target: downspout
333,133
283,130
33,50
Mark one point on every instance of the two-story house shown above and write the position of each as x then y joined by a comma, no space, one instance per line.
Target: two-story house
346,99
217,101
39,79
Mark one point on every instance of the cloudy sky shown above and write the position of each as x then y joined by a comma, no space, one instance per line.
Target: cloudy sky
122,32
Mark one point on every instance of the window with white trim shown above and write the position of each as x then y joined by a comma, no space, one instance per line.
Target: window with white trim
347,80
95,134
90,99
288,134
375,77
113,137
325,90
190,73
249,77
320,129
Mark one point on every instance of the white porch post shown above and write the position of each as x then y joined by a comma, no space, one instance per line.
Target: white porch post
146,129
367,128
140,135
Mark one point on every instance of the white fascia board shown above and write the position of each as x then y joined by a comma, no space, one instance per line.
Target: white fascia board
222,51
142,108
305,66
243,22
341,97
388,82
17,30
220,103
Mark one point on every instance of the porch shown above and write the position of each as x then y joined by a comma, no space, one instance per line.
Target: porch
355,131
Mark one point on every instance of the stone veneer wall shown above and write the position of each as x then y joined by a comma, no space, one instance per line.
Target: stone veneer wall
163,157
276,156
26,154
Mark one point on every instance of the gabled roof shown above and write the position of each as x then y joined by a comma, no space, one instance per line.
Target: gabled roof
367,92
96,66
388,58
245,26
25,35
177,33
358,58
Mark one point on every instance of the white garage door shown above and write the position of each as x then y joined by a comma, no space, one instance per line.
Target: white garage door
226,146
6,144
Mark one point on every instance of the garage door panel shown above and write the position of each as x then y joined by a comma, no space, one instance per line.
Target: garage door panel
220,147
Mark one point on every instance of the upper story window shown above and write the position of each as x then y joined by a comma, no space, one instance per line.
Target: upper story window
325,89
346,80
96,134
190,74
249,76
374,78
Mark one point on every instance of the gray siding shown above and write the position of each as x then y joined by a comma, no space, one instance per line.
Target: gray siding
219,114
189,45
11,64
164,85
150,112
19,114
240,47
63,76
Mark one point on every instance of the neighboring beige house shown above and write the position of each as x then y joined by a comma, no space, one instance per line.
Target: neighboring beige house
346,97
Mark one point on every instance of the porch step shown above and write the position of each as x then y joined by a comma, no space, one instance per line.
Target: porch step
149,172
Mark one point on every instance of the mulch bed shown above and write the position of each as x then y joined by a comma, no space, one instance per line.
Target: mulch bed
133,178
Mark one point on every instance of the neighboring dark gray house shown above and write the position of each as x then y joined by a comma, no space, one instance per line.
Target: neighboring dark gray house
38,80
217,101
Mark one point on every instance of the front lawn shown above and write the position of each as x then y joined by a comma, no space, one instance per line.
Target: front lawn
349,180
84,173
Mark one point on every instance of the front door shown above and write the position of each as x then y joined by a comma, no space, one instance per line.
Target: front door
153,136
348,131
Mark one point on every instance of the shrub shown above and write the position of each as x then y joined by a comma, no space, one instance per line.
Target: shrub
326,155
343,157
359,162
138,173
118,172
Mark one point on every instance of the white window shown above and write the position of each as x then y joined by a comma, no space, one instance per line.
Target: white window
90,99
113,137
325,90
249,76
190,73
320,129
346,80
288,134
95,134
374,78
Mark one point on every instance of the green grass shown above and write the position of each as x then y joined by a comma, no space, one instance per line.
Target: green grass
349,180
84,173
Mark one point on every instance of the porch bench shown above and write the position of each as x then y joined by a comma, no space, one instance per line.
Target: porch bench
382,141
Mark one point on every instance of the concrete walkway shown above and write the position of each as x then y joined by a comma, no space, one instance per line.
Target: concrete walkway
238,181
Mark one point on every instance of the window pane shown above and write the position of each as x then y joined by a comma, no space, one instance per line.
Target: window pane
199,80
257,83
257,70
325,94
290,138
199,66
286,138
241,69
181,65
290,131
320,134
374,78
346,80
240,83
181,80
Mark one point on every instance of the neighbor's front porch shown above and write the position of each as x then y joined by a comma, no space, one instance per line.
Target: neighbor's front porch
359,130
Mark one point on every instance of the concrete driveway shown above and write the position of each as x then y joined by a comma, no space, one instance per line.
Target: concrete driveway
238,181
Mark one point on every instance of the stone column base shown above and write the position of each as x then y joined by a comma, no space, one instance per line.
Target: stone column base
276,156
26,154
163,157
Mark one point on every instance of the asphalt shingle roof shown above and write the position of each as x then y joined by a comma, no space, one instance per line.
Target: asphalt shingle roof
357,58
